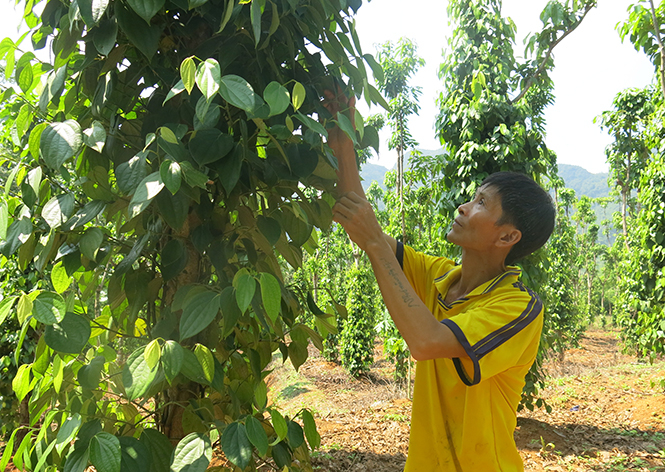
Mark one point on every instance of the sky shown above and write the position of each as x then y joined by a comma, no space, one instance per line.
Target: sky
591,67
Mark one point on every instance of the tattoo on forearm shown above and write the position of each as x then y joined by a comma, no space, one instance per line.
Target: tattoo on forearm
406,296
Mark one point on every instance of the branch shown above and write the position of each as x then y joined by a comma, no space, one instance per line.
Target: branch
530,81
661,48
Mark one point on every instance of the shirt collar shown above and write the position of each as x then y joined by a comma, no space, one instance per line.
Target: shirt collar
444,282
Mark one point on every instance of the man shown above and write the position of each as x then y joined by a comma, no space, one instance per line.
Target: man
473,328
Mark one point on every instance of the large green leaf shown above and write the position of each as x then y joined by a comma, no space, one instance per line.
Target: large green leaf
67,431
144,37
192,454
148,189
6,308
229,168
104,35
230,311
257,435
188,73
129,174
207,77
207,361
170,173
85,215
70,335
4,219
146,9
298,95
77,460
90,374
198,312
59,142
134,455
105,452
271,294
58,210
256,10
59,278
239,93
192,369
91,242
174,259
95,136
312,124
92,10
17,234
295,435
236,445
245,286
137,376
160,449
270,228
173,208
48,308
172,359
313,436
277,97
210,145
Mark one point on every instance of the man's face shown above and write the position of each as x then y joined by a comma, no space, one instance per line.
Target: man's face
475,227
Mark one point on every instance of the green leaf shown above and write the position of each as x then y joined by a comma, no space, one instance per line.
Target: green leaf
105,452
192,454
257,435
279,424
160,450
245,286
236,445
59,278
77,460
59,142
345,125
89,375
228,169
4,219
9,450
256,10
152,353
91,242
67,431
145,38
69,336
207,361
261,395
277,97
58,210
95,136
207,77
313,436
192,369
175,90
230,311
197,313
170,173
312,124
188,73
271,294
239,93
129,174
228,12
295,435
25,78
85,215
105,35
21,383
270,228
48,308
6,306
92,11
210,145
146,9
174,259
173,208
172,359
134,455
137,376
24,308
145,192
298,95
376,97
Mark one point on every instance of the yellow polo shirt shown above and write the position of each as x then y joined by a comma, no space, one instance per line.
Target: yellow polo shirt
464,410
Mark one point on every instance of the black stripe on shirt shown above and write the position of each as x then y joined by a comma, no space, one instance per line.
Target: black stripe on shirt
399,254
503,334
459,334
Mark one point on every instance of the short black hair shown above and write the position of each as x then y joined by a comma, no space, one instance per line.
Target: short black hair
526,206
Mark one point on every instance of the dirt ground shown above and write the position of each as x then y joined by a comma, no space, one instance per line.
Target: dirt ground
608,413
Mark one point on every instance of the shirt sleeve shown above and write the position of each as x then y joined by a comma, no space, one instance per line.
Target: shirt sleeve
421,269
502,334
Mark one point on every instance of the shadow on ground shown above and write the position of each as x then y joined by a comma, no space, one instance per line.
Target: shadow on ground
343,460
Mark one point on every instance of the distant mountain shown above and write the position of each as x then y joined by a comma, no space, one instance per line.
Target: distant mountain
584,182
575,177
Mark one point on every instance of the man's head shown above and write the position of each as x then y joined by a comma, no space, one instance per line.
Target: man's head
527,207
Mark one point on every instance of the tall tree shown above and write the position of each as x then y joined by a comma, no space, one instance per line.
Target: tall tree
159,182
399,62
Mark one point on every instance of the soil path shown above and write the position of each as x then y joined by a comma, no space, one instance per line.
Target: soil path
608,413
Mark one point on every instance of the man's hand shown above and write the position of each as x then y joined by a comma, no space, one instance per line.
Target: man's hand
357,217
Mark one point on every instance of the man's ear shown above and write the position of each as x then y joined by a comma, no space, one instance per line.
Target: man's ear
510,237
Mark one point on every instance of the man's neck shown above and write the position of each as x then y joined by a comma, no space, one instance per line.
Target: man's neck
477,269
